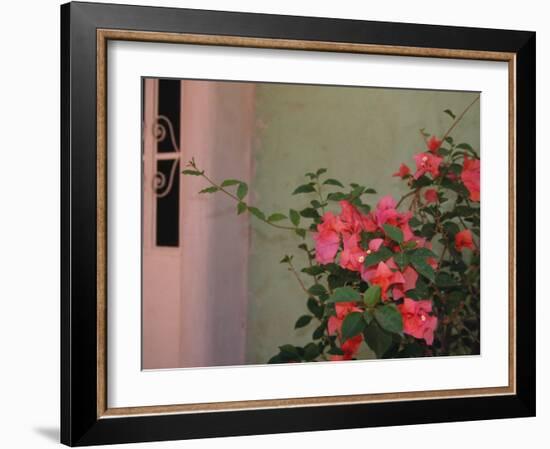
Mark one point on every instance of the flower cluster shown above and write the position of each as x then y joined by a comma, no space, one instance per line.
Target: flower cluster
358,242
400,278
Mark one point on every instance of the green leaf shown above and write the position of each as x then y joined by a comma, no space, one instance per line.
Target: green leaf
333,182
372,296
412,350
242,190
422,253
449,112
335,351
344,294
320,331
317,290
393,233
353,325
424,269
464,146
309,212
367,316
414,222
314,270
230,182
286,259
303,321
289,351
311,351
377,339
370,191
277,217
321,171
428,230
294,217
381,255
314,307
241,207
389,318
451,229
401,259
192,172
445,280
301,232
209,190
256,212
453,300
304,188
337,196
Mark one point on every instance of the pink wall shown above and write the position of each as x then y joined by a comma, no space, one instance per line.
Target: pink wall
195,296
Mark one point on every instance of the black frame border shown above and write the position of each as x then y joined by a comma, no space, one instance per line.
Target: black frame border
80,424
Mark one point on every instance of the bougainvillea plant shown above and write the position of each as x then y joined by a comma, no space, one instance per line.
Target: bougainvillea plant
402,276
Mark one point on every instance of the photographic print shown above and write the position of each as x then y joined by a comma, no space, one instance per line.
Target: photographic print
289,223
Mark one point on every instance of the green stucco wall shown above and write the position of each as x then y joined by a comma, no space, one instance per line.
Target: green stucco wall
360,135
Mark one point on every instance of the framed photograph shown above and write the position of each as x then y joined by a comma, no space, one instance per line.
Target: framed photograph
283,224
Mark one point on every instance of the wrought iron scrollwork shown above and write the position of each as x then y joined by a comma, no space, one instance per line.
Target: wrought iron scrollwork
161,129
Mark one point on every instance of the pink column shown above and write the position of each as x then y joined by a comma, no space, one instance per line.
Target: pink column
217,124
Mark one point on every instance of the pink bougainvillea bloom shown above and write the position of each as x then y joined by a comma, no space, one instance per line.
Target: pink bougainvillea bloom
411,276
464,239
384,277
470,177
353,256
431,196
433,144
334,327
327,239
342,309
403,171
349,347
350,217
427,163
416,319
386,213
375,244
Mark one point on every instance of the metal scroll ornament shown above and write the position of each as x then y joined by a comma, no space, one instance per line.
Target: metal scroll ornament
161,129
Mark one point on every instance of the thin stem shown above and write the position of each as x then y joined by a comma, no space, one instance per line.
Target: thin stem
221,189
320,195
404,197
459,118
297,276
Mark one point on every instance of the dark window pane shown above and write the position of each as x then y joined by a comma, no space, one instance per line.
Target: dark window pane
168,198
169,106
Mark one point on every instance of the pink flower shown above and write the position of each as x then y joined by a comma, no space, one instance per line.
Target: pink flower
403,171
384,277
431,196
416,319
464,239
427,163
327,239
433,144
470,177
350,218
342,310
411,276
349,347
353,256
386,213
334,327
